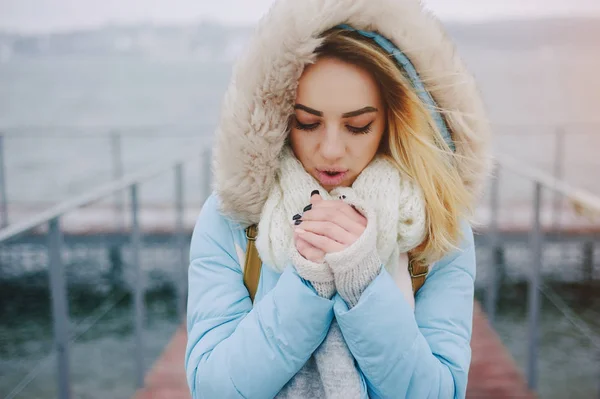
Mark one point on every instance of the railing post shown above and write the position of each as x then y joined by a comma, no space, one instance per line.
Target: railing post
588,261
3,195
117,162
587,292
492,289
533,290
598,362
206,173
181,242
138,298
559,153
60,307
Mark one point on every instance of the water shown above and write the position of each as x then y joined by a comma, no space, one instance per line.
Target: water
57,115
568,363
91,92
102,361
102,347
569,358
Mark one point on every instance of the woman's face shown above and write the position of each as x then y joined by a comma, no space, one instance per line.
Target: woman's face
339,121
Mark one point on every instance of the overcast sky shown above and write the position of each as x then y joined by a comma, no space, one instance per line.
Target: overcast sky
50,15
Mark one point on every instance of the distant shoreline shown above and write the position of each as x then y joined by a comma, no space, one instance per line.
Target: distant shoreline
525,33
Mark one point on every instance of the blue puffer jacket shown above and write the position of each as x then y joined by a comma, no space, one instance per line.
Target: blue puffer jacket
240,350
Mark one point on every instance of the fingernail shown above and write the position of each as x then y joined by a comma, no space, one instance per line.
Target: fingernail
296,216
314,192
307,208
297,222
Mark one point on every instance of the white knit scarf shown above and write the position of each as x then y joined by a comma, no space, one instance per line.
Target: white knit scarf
381,192
395,201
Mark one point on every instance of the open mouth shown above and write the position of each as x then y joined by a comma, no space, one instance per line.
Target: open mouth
331,177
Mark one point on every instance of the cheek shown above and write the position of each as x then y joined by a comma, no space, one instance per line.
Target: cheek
366,146
379,134
300,143
295,140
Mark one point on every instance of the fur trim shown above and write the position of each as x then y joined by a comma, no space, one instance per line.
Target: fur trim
260,97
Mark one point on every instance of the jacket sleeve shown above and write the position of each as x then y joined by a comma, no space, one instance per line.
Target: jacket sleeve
420,354
233,349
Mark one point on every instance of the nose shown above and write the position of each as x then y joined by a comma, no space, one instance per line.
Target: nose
332,144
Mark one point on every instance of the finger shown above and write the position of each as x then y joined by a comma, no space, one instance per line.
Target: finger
341,213
311,253
323,243
351,212
330,230
343,207
315,197
308,251
336,216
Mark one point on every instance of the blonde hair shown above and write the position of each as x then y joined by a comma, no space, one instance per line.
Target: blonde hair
412,142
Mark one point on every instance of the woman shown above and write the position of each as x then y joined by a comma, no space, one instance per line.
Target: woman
353,137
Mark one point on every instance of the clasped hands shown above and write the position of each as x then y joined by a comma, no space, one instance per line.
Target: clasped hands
326,226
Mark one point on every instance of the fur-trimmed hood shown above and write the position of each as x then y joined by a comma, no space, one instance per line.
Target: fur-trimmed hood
260,97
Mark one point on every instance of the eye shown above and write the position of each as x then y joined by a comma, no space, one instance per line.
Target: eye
309,127
360,130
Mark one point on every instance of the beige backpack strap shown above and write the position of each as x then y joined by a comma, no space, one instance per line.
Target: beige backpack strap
418,274
253,263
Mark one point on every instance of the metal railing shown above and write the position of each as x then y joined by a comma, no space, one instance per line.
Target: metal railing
558,145
116,137
584,202
113,137
52,219
3,195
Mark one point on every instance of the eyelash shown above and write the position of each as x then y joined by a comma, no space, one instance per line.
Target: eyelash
354,130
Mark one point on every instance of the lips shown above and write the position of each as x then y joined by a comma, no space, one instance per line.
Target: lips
331,176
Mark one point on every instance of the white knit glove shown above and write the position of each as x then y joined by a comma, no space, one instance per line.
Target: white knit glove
318,274
357,265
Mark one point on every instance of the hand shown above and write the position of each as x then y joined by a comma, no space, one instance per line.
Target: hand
308,251
327,227
305,249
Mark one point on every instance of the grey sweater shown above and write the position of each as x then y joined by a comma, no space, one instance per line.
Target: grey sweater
331,371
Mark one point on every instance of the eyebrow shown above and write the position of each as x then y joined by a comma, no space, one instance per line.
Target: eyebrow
345,115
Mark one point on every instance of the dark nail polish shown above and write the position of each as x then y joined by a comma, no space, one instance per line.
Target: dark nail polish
314,192
307,208
296,216
297,222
